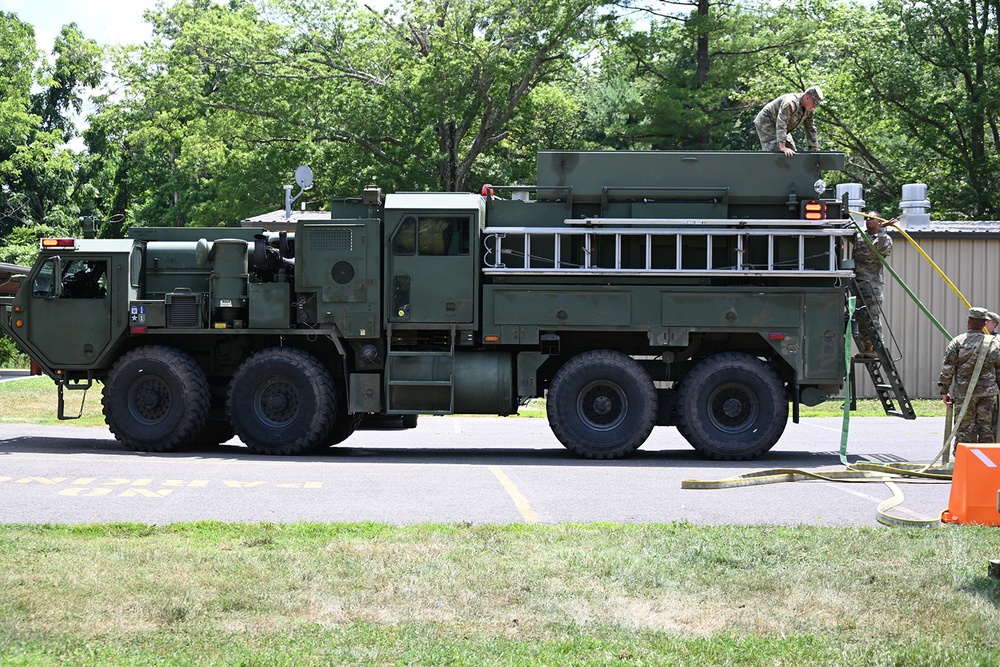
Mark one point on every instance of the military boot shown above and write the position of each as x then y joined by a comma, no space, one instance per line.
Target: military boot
869,350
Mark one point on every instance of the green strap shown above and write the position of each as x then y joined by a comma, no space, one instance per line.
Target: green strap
847,381
899,280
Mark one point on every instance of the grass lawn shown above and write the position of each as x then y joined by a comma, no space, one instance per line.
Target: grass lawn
368,594
574,595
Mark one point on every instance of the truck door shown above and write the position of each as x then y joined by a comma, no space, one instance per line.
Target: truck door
432,269
69,317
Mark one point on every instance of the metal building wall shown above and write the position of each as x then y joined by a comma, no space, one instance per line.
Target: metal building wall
971,262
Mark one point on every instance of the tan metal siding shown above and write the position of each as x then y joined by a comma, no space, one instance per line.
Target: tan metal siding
972,265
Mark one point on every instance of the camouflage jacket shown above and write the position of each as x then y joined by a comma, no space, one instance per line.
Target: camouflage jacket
960,360
783,114
867,266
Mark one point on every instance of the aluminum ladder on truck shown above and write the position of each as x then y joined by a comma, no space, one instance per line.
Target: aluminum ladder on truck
677,247
881,368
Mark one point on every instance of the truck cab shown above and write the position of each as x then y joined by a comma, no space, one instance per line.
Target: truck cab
71,310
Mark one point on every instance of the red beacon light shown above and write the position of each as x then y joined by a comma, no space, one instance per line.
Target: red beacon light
58,243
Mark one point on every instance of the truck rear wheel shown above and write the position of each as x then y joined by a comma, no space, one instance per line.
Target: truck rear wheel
602,404
732,406
156,398
282,401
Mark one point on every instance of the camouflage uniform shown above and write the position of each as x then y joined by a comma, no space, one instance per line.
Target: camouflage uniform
779,117
868,274
960,359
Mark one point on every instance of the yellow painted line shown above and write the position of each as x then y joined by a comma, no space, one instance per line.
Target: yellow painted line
874,499
825,428
522,504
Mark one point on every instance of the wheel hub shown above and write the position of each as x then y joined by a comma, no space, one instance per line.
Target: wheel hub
277,403
150,399
732,407
602,405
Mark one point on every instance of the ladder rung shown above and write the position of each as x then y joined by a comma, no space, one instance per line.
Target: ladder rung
884,387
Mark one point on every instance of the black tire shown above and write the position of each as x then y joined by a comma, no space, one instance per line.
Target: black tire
732,407
156,399
281,401
345,424
410,421
602,404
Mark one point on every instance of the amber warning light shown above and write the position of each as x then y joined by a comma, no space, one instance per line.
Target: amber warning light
58,243
815,210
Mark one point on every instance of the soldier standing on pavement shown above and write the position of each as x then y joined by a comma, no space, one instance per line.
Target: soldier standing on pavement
960,360
868,275
992,320
781,115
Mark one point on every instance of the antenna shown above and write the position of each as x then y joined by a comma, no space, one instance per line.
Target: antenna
304,178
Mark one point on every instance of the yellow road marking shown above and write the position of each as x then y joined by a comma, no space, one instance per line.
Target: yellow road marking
522,504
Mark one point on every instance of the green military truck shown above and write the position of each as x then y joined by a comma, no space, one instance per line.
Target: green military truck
702,290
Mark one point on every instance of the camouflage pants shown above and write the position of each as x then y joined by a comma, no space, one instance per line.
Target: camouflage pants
979,424
871,298
768,139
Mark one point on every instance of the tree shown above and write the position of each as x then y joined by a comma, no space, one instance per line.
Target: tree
37,169
933,72
227,99
692,63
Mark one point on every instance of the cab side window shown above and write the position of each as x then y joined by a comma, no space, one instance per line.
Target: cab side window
85,279
432,235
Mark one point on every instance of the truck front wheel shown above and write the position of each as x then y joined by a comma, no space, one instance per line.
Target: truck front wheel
282,401
602,404
156,399
732,406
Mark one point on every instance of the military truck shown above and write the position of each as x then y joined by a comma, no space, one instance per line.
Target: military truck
701,290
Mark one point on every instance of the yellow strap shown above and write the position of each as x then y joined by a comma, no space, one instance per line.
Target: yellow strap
921,251
855,473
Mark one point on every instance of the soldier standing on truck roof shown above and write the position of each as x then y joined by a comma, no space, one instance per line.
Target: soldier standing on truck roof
781,115
868,274
960,360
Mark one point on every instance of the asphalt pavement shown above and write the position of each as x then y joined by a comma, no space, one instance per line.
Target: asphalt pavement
454,469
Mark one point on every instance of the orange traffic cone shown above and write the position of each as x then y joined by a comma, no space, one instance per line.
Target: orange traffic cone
974,485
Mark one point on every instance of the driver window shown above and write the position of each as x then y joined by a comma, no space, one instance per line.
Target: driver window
432,235
85,279
443,236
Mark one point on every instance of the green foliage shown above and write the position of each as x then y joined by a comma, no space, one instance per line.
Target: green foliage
10,355
38,171
21,245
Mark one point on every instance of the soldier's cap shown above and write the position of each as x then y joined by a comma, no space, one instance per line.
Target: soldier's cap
979,314
993,316
815,93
